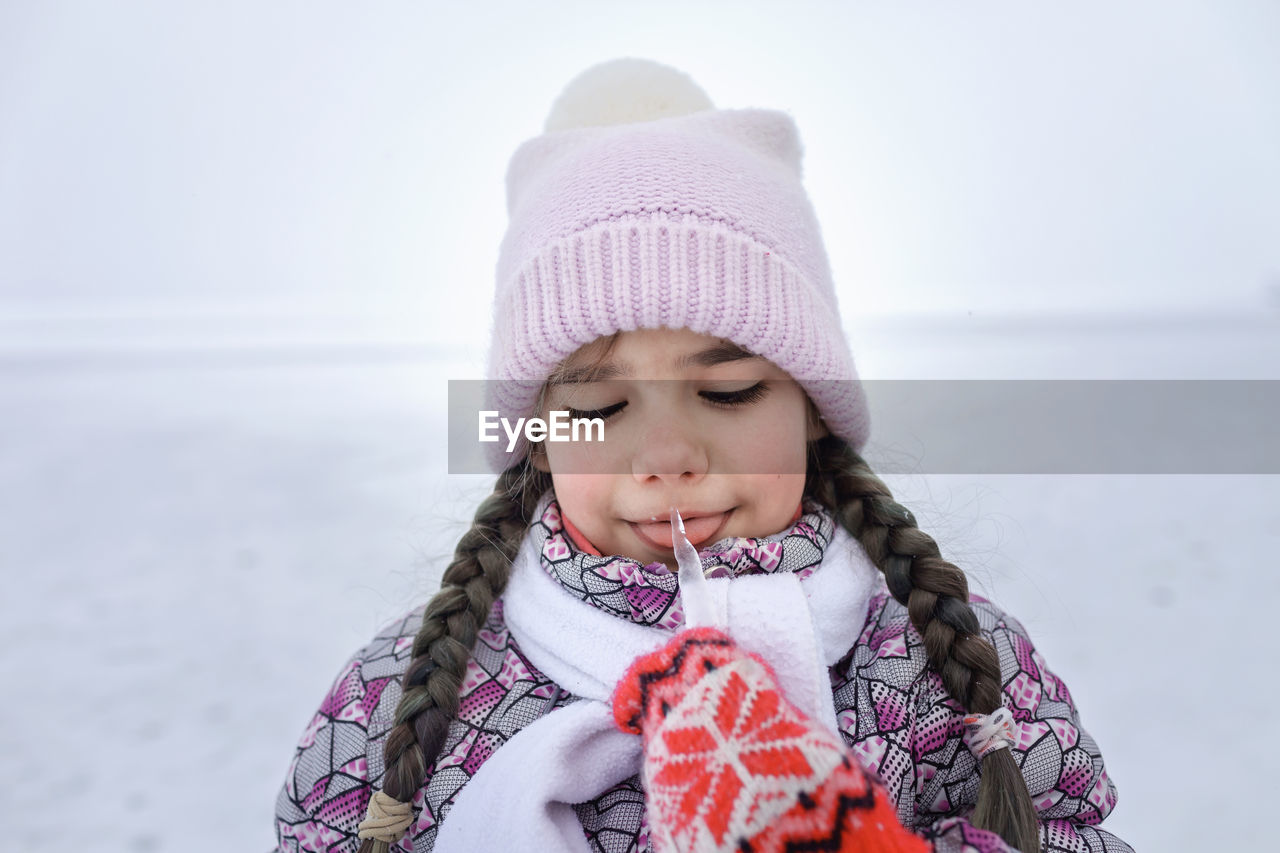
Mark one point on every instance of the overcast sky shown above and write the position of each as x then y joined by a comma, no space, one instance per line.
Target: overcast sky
324,157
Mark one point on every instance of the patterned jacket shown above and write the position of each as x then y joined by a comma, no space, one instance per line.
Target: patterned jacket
893,711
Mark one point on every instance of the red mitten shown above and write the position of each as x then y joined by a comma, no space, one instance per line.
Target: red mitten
730,765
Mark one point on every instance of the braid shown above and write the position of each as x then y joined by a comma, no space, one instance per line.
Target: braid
476,577
936,595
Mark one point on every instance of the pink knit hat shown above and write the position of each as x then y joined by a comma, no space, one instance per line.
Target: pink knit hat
642,206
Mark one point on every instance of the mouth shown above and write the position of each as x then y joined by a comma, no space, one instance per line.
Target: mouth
698,528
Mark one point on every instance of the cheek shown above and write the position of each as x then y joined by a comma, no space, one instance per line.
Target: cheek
773,444
590,455
579,494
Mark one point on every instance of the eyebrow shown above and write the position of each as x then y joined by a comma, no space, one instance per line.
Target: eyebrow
720,353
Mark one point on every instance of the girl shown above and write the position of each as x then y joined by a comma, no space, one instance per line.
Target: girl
815,677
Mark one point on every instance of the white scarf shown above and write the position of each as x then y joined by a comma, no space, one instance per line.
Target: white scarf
522,797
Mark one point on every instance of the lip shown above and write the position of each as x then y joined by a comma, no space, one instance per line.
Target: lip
699,527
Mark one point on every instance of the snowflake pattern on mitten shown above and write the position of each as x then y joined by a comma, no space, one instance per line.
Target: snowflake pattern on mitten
731,765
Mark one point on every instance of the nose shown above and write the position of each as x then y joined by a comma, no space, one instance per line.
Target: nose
670,453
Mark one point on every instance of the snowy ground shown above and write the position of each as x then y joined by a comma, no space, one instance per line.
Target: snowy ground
194,538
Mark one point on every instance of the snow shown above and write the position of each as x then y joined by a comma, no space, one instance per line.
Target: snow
191,550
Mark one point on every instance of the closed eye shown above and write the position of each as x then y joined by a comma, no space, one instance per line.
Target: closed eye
742,397
603,414
719,399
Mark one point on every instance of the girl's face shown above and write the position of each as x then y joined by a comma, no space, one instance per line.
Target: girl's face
690,421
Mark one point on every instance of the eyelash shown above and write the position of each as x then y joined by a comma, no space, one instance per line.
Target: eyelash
719,399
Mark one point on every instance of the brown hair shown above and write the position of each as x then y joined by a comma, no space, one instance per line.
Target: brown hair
936,595
934,591
473,580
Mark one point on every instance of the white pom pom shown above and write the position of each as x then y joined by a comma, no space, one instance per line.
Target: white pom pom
626,90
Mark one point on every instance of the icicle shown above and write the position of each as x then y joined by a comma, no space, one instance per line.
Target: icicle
698,609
